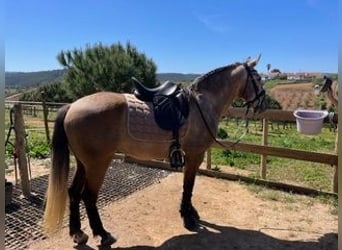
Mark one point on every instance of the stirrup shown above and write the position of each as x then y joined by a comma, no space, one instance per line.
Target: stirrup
176,156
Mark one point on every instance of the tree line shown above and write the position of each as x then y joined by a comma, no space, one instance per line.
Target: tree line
97,68
102,68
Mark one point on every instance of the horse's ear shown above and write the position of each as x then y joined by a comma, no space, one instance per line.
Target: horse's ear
254,62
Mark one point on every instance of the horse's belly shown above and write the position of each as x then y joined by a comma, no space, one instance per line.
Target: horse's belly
144,150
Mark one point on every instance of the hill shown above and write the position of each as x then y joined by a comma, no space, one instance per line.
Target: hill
176,77
32,79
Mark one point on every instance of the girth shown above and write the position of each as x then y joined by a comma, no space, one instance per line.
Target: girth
171,109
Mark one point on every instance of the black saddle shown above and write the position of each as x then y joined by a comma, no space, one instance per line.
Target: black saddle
146,94
170,103
171,109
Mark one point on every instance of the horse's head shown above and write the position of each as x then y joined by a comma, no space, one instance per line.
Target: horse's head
253,91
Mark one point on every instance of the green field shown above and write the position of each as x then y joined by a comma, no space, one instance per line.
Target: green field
315,175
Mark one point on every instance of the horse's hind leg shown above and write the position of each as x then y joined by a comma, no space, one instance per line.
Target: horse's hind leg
187,211
93,184
75,191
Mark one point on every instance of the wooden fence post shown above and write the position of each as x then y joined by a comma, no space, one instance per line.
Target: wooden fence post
46,114
209,158
21,150
335,168
263,159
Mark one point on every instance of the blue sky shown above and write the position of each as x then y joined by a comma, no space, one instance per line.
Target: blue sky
192,36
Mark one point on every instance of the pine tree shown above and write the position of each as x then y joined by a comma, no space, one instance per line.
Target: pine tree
106,68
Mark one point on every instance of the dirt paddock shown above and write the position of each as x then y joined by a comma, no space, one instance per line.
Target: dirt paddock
232,217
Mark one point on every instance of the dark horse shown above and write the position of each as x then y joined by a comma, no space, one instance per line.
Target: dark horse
95,127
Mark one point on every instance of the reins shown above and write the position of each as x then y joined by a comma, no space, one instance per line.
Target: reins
247,104
212,134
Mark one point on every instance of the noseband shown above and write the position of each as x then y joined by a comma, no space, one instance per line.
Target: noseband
259,97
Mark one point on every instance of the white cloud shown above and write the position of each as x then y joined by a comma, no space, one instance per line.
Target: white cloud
215,22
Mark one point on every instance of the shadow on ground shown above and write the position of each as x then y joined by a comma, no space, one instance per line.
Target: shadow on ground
228,238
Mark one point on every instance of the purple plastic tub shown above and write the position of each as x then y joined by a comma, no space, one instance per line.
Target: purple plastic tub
310,122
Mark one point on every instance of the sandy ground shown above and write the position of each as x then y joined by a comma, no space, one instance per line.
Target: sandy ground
232,217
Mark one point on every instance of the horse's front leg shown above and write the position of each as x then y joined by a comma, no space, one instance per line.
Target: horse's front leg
188,212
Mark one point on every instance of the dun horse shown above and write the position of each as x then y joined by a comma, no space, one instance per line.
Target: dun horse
95,127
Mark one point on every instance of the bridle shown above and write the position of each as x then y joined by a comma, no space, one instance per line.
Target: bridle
259,96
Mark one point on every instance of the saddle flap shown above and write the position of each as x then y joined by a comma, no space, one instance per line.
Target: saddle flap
182,102
170,112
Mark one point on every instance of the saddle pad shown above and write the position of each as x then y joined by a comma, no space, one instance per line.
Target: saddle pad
142,125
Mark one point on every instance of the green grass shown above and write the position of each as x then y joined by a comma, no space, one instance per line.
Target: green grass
269,84
310,174
269,194
265,193
36,142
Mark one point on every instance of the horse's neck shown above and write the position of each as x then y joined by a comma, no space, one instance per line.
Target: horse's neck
220,97
215,102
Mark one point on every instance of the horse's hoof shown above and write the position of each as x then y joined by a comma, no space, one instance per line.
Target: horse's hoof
194,213
108,240
190,223
80,238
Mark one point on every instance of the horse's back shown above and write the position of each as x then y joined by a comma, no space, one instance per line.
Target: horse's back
96,108
95,121
96,102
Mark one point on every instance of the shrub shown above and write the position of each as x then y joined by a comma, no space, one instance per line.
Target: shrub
222,134
37,146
